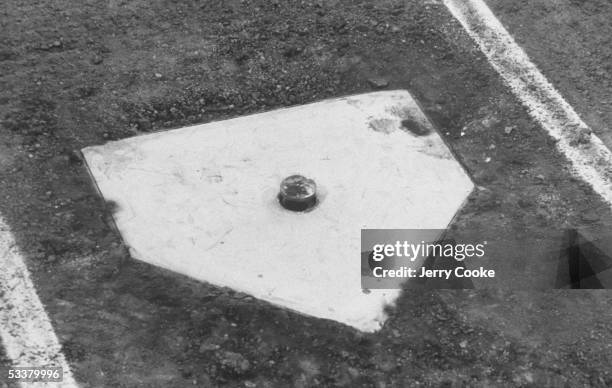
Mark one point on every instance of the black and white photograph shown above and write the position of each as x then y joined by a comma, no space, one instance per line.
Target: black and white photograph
305,193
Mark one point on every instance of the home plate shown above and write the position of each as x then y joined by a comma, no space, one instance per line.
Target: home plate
205,201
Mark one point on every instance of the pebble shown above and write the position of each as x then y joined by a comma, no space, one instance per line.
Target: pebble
581,136
489,122
96,59
590,216
353,372
378,82
144,125
440,317
234,363
206,347
38,255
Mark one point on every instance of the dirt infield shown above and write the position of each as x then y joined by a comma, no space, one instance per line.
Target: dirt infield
78,75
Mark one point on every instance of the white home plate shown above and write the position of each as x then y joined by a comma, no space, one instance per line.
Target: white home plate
202,200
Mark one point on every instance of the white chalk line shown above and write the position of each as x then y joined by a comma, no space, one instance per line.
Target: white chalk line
25,328
590,159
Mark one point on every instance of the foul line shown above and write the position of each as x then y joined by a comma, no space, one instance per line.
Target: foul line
591,160
25,329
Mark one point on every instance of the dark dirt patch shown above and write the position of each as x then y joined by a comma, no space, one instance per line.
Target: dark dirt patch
414,127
